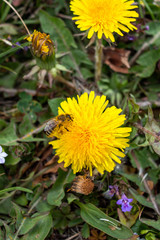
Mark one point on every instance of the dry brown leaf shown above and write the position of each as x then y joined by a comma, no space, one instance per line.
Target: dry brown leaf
150,184
97,235
117,59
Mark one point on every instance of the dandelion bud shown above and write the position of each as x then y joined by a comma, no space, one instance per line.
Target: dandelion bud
43,49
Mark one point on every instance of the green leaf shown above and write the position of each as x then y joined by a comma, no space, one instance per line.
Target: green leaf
58,31
9,232
2,124
154,28
153,126
79,56
56,194
9,79
43,206
29,223
26,128
151,223
75,221
98,219
23,105
134,178
16,188
71,197
85,231
147,155
7,28
148,61
12,50
39,227
26,125
18,214
8,136
6,206
21,200
54,104
142,200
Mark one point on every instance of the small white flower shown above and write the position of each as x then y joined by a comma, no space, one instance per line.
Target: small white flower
2,156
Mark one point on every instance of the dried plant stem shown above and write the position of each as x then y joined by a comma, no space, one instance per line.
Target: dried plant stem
137,125
98,59
75,235
18,16
63,80
29,91
142,175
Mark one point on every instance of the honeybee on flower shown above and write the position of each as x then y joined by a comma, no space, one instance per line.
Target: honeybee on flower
56,126
93,137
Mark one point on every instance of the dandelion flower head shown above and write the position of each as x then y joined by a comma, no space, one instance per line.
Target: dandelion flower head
104,16
94,138
42,45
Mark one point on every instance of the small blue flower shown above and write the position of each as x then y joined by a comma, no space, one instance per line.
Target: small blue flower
124,202
131,38
19,50
2,156
147,27
113,190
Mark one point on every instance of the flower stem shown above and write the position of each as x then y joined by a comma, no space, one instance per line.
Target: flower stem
98,59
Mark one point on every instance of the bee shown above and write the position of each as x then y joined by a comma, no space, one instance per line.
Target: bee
57,124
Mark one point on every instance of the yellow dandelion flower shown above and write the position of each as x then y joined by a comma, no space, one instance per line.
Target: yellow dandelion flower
42,45
94,137
104,16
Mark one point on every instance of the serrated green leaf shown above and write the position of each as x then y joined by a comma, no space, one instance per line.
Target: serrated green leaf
40,229
145,158
18,213
85,231
54,104
56,194
58,31
9,232
8,136
26,125
79,56
153,126
95,217
29,223
148,60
